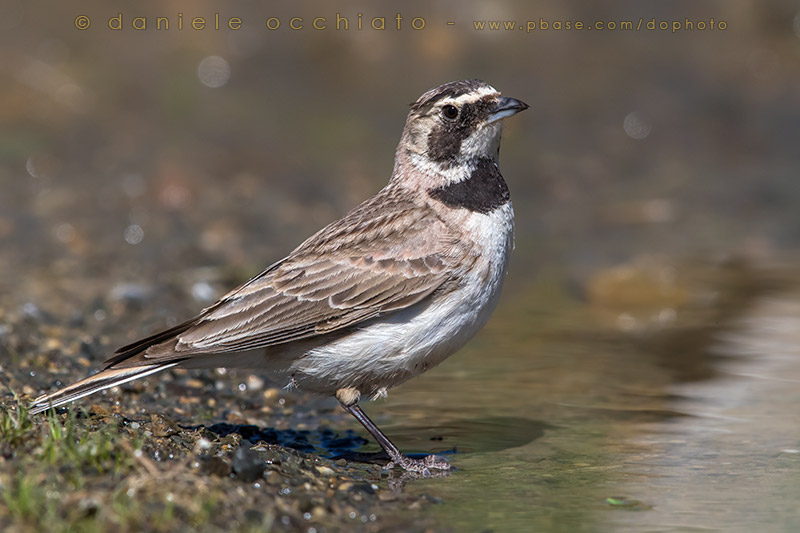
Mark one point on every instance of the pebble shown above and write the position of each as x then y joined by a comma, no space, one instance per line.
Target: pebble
325,471
271,393
247,465
214,466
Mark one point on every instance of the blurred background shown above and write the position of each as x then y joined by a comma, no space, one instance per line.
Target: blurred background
655,181
226,147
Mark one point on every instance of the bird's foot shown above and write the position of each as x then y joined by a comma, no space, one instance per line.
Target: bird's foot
420,466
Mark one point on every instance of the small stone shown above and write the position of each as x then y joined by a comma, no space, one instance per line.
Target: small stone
52,344
131,293
247,465
318,513
194,383
271,393
364,488
235,418
97,410
254,382
214,466
162,426
325,471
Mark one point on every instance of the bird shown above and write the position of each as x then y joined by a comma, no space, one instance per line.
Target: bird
381,295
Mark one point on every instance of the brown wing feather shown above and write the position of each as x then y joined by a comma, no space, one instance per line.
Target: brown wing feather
379,258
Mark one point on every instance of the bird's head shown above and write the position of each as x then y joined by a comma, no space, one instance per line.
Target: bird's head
454,125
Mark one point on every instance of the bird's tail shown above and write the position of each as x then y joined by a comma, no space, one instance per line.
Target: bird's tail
111,377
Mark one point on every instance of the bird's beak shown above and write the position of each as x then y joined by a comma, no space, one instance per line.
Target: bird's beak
506,107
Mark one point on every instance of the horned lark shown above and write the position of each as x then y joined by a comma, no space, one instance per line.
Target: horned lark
383,294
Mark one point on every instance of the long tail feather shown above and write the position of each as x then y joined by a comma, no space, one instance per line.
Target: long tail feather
100,381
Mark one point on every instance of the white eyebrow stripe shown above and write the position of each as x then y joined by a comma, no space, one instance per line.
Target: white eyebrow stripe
469,98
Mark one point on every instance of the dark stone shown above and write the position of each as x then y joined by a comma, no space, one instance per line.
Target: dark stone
252,516
247,465
214,466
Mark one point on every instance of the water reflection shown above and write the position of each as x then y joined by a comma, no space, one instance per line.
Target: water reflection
734,463
570,424
465,435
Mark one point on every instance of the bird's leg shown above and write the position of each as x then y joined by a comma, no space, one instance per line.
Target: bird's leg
421,466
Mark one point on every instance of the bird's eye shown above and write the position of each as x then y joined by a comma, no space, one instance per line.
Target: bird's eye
450,112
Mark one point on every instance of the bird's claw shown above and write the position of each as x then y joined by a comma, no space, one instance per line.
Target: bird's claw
422,466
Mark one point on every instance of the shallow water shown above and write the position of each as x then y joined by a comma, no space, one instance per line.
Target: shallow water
570,425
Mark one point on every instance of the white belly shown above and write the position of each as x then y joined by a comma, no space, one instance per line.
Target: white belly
396,347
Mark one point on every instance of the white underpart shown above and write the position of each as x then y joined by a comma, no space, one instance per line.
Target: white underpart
402,345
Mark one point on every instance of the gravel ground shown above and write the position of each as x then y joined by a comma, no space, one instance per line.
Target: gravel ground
212,450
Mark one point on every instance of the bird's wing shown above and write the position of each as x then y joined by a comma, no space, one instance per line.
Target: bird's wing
385,255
